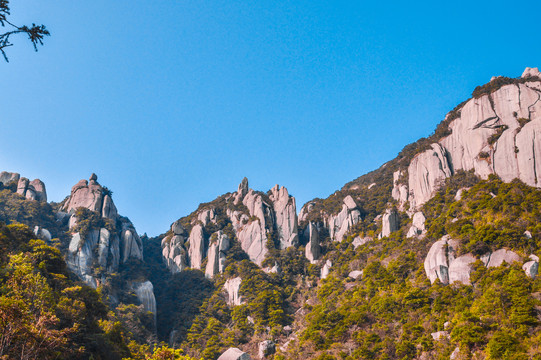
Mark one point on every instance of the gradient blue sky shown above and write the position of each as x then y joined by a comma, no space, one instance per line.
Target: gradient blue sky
171,103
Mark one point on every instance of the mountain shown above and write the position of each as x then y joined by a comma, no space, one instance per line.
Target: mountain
434,255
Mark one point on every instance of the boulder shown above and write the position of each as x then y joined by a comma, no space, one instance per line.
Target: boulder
234,354
241,191
499,256
207,216
266,348
218,248
531,267
42,233
313,249
355,274
460,269
38,188
109,209
341,223
285,212
441,253
232,287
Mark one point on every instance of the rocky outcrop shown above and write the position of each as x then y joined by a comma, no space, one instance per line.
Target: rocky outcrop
390,222
341,223
426,172
42,233
417,226
313,249
32,190
400,189
197,248
105,247
438,258
285,212
234,354
498,257
232,287
92,196
8,177
219,245
492,134
266,348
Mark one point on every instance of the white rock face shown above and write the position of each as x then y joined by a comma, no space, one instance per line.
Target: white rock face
438,258
460,269
285,211
232,287
197,250
313,249
418,225
218,248
326,269
390,222
234,354
355,274
253,238
7,177
207,216
400,191
81,255
515,153
348,217
499,256
131,243
426,172
145,294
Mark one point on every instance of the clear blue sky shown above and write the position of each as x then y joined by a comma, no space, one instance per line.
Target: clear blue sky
171,103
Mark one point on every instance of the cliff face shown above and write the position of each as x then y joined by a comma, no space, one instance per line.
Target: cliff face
495,133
